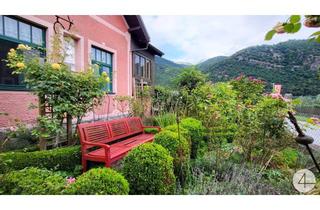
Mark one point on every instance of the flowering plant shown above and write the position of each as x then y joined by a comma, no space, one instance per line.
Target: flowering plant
66,92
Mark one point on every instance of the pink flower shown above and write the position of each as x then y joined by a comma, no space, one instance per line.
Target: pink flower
71,180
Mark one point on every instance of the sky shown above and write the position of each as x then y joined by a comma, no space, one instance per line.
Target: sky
193,39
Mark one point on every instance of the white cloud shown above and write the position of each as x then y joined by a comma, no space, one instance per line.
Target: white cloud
195,38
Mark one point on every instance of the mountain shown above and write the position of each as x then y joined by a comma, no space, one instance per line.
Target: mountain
294,64
166,70
207,63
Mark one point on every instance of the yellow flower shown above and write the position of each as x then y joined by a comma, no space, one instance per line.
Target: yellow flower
108,79
20,65
23,47
104,74
56,66
12,50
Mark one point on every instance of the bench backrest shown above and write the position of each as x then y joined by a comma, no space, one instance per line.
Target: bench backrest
105,132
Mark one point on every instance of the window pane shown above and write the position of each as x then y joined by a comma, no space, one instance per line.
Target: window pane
109,59
1,25
103,57
6,76
108,86
11,27
37,36
24,32
142,65
148,69
136,65
98,54
93,53
70,57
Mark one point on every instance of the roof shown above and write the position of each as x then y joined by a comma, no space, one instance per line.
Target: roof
139,33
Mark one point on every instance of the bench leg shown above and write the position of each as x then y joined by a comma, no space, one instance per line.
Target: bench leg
84,165
108,164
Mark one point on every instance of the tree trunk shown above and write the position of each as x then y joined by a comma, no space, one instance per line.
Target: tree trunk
69,129
42,111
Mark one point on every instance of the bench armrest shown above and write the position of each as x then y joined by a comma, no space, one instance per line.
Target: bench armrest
96,144
157,127
104,146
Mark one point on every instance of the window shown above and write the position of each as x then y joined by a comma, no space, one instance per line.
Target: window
20,31
103,60
13,32
70,52
142,67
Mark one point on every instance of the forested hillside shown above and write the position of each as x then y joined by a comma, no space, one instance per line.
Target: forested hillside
294,64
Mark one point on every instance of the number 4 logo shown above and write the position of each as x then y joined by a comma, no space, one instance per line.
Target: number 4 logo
304,180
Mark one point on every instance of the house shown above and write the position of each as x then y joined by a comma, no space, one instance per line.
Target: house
119,44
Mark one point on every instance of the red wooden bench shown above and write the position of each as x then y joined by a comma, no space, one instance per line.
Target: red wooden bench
110,141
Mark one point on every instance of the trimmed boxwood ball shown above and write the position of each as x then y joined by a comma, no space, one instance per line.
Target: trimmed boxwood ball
149,170
196,131
32,181
99,181
179,149
184,132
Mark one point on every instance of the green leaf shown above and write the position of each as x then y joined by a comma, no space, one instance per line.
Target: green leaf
288,27
317,33
296,27
270,34
295,18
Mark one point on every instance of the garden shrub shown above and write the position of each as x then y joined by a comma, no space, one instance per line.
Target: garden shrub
163,120
183,132
286,158
179,149
149,170
231,179
151,130
31,181
64,159
196,132
99,181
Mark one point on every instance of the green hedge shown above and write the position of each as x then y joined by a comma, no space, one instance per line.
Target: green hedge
99,181
31,181
196,131
149,170
179,149
64,159
151,130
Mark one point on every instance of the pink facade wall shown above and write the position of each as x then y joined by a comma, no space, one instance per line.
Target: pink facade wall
107,32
